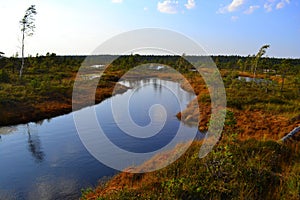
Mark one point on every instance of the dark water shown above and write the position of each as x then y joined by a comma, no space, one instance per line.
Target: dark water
48,160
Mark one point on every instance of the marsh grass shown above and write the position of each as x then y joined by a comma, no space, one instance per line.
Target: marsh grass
235,169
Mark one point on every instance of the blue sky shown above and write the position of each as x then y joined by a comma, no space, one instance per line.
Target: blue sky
229,27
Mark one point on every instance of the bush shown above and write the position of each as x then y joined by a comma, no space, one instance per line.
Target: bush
4,76
35,83
248,169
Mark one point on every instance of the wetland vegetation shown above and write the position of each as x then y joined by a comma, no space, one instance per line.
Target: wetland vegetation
247,163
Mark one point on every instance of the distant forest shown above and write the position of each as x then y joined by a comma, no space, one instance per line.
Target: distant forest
40,64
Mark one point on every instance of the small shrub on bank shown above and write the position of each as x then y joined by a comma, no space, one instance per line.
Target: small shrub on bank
235,169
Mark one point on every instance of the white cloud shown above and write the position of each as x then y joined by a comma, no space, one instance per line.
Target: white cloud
251,9
117,1
268,7
190,4
282,3
235,4
168,6
270,4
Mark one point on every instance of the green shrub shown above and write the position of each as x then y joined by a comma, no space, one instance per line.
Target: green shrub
4,76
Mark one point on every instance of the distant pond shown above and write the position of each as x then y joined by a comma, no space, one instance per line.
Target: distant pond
250,79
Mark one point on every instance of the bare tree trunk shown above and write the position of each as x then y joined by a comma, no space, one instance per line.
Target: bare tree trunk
255,67
22,65
254,72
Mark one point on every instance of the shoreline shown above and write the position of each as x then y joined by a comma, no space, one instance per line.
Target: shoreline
260,128
48,109
17,113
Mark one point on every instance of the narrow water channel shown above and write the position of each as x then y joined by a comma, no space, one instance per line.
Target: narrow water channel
47,160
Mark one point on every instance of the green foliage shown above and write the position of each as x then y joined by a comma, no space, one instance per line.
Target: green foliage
4,76
86,191
34,83
230,120
233,170
266,96
27,28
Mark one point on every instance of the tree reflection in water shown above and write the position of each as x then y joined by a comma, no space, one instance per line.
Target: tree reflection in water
34,146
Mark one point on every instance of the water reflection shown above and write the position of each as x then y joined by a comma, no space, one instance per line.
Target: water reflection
158,85
250,79
49,187
8,195
7,130
34,146
47,160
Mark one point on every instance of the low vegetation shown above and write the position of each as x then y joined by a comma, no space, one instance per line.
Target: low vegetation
247,163
235,169
45,89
